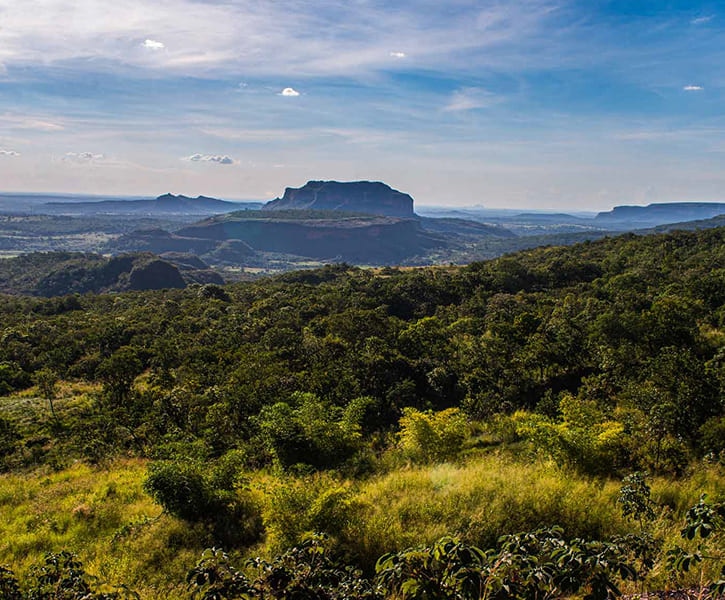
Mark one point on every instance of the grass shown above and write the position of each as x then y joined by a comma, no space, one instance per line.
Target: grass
479,501
104,516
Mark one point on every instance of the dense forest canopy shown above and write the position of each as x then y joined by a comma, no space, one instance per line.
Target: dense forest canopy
631,327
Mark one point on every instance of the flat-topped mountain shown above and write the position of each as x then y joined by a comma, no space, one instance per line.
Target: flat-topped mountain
370,197
660,214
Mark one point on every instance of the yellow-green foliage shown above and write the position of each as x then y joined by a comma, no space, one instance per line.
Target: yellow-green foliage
105,518
584,437
293,507
428,436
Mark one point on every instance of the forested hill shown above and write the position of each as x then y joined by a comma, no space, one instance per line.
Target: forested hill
632,325
65,273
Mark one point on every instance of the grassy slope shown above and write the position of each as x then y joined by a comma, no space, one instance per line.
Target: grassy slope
103,514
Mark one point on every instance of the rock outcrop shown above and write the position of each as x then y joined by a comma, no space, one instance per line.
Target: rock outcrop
369,197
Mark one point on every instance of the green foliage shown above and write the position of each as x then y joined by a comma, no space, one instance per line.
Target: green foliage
310,432
304,572
62,577
429,436
9,586
635,498
527,566
198,494
118,372
704,525
295,508
181,489
584,438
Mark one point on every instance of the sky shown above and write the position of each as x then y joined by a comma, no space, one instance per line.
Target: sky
545,104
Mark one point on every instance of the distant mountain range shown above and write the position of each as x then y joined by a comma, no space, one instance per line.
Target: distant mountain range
165,204
635,217
361,222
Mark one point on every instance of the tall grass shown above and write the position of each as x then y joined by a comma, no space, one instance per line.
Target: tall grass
104,516
478,501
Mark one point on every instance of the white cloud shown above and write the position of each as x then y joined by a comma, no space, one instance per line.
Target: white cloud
469,99
288,91
280,37
702,20
82,157
397,54
693,88
9,153
215,158
153,45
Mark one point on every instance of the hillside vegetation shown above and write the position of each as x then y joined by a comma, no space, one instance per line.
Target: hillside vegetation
579,387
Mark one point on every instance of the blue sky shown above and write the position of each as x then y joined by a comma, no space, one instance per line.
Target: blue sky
524,104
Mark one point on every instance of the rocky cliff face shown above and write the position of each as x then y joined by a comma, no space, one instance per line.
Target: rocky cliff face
370,197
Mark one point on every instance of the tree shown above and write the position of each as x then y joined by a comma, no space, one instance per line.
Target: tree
47,382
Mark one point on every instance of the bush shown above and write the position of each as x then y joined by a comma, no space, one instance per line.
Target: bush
431,436
297,507
309,431
209,496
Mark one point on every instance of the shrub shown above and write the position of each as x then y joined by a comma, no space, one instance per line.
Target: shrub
309,431
207,496
431,436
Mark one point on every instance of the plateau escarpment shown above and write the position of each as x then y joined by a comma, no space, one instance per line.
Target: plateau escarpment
370,197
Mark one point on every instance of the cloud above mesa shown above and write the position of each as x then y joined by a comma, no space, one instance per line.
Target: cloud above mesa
153,44
82,157
210,158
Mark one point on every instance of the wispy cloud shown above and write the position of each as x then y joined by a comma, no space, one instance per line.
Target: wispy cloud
702,20
271,38
693,88
469,99
153,45
37,123
9,153
288,91
214,158
82,157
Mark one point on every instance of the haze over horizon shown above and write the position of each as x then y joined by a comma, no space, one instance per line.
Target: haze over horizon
530,104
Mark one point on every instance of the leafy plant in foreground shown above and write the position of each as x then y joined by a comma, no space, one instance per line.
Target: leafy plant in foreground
705,523
305,572
528,566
